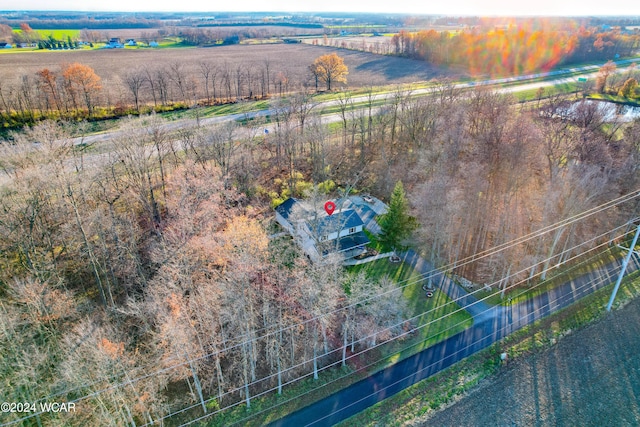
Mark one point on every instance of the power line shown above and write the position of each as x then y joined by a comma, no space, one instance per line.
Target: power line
157,372
257,395
504,328
382,343
425,276
480,255
359,353
378,332
294,398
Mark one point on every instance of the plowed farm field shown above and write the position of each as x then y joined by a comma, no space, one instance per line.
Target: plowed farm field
590,378
292,60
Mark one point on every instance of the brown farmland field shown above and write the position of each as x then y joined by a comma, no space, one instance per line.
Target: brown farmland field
365,69
262,31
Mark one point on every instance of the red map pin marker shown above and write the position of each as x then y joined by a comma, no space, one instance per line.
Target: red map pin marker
329,207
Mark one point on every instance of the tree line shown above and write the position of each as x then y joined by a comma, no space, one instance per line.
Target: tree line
507,50
141,273
71,20
76,91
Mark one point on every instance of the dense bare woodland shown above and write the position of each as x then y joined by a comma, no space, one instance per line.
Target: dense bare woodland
138,277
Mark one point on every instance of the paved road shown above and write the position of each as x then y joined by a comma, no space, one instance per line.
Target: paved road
479,310
491,324
518,81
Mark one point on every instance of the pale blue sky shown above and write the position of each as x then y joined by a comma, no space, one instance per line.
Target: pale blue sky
450,7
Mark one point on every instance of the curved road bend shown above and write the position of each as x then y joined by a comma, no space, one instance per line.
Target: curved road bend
521,80
491,324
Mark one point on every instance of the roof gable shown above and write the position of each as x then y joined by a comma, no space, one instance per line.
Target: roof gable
286,208
319,223
337,222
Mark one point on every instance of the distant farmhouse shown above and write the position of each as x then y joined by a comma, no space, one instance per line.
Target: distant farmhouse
114,43
320,234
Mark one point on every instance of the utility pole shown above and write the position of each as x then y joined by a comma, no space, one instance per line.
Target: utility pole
624,268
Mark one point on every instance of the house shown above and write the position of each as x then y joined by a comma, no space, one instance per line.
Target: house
285,212
5,45
320,234
131,42
114,43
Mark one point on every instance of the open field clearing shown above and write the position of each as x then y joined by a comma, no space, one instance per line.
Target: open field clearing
590,378
587,378
293,59
267,30
56,34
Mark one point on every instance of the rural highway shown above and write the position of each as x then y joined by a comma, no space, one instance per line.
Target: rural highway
491,324
517,84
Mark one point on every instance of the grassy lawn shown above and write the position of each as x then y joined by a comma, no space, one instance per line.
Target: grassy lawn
532,94
217,110
421,309
614,98
57,34
332,109
410,405
399,272
376,91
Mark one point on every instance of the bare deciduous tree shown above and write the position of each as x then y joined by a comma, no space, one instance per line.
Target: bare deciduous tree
135,81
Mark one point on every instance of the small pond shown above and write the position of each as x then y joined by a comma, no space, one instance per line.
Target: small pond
610,110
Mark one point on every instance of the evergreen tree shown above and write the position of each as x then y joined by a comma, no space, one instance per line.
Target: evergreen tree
397,225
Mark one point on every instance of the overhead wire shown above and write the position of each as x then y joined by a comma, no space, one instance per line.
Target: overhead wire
375,346
504,328
323,385
447,268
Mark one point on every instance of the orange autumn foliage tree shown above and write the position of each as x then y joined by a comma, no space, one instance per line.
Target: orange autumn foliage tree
497,48
501,51
330,69
47,83
81,81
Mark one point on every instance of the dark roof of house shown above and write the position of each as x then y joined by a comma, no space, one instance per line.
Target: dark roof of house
325,224
286,208
338,221
352,241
